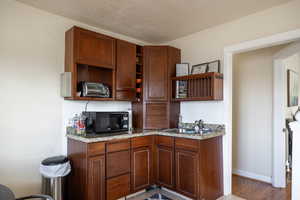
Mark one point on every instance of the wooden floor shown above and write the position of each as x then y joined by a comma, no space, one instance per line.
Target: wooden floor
256,190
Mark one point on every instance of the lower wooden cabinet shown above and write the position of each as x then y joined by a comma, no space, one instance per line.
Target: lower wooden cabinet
165,166
187,173
141,168
96,178
118,187
115,169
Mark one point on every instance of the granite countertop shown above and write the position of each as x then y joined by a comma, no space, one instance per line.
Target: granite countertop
218,130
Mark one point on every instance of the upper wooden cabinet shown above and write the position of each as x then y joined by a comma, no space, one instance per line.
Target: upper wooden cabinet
156,110
126,71
93,48
156,73
90,57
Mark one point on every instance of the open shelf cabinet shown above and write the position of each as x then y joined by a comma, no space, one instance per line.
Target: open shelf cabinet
198,87
139,73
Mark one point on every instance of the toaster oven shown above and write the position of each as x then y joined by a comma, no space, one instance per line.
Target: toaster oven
91,89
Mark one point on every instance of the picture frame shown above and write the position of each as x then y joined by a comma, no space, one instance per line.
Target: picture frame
182,69
214,66
199,69
292,88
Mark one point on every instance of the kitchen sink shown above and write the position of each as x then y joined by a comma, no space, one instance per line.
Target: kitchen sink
189,131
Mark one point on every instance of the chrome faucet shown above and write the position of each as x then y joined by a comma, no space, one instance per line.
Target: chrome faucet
199,126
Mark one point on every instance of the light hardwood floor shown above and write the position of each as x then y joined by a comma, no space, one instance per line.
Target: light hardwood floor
255,190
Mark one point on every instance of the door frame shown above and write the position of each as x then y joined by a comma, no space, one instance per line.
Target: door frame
279,104
229,51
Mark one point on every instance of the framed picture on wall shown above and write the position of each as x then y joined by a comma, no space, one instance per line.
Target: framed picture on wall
214,66
182,69
199,69
292,88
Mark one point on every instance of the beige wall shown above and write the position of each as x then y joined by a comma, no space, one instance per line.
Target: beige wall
252,112
32,112
208,45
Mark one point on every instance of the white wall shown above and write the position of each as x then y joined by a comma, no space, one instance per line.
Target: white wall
252,113
209,44
32,112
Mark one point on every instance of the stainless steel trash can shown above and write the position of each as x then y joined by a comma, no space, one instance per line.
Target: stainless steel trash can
54,170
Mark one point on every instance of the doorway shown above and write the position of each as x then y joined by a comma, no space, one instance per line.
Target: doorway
228,61
259,102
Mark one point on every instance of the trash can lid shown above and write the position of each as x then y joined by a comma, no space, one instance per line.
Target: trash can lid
55,160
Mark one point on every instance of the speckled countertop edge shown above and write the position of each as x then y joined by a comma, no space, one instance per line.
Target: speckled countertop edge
145,133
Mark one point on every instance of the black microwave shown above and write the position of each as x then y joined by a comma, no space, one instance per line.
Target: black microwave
106,122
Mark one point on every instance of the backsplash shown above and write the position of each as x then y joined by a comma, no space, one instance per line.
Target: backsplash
70,108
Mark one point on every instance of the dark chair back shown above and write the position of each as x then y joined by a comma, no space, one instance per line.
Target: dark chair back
6,193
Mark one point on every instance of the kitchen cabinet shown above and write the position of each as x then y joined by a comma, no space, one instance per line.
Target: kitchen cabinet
165,166
90,57
116,168
93,48
141,168
157,111
156,115
96,178
126,71
187,173
156,73
118,187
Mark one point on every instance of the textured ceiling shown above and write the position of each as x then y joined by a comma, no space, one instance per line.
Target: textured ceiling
154,21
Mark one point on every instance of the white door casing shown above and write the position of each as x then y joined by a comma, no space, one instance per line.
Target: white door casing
279,148
273,40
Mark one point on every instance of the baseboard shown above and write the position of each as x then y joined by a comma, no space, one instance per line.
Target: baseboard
252,175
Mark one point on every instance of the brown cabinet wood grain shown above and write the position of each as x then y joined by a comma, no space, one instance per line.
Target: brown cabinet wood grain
117,163
91,57
156,115
94,49
165,166
126,71
157,111
187,173
118,187
191,167
141,168
156,73
96,178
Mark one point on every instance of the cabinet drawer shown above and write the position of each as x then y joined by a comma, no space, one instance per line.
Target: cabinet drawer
96,148
165,141
143,141
186,144
118,163
118,187
119,145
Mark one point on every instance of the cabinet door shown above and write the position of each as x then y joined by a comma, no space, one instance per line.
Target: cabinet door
96,178
156,73
156,115
141,168
187,173
94,49
126,71
165,166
